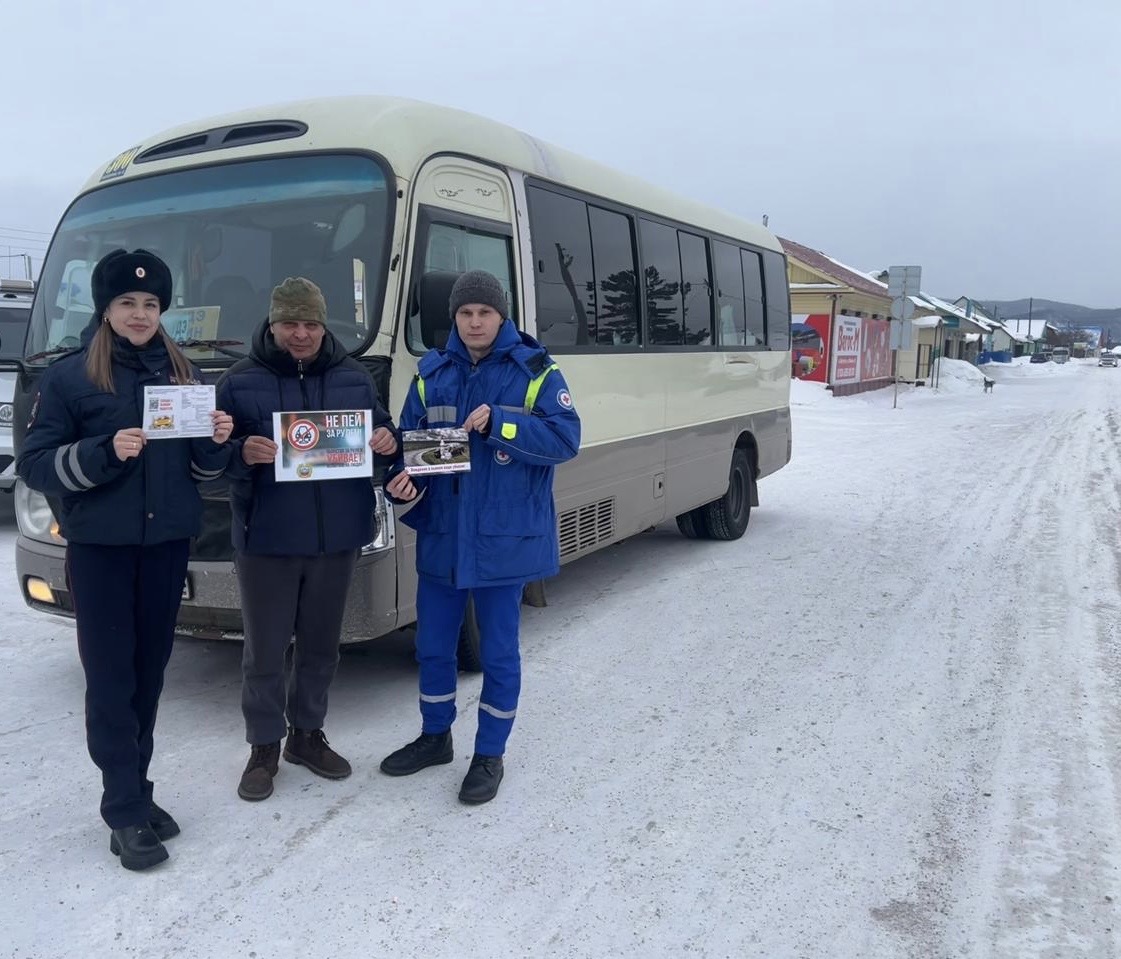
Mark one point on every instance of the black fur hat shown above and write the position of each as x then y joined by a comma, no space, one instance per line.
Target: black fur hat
122,272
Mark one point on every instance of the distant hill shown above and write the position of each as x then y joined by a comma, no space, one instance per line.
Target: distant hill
1061,314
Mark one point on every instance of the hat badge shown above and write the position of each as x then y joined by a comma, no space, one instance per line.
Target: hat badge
141,272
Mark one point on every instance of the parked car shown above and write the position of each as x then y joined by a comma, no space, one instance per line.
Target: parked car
1107,359
1060,354
15,311
1039,358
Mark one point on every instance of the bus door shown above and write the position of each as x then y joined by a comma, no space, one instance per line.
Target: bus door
461,218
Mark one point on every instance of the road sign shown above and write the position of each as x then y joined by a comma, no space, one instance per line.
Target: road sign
903,281
900,335
902,308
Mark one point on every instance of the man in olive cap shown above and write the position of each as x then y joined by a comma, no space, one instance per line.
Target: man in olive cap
296,543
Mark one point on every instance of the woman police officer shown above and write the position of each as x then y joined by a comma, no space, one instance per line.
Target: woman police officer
128,509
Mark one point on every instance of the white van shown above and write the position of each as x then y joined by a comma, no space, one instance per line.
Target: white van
1060,354
15,310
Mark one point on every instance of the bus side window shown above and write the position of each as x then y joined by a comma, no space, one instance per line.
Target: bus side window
729,294
753,297
778,300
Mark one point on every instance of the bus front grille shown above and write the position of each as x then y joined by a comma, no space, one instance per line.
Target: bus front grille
586,527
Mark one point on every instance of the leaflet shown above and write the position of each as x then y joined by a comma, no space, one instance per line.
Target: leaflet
178,412
323,445
440,450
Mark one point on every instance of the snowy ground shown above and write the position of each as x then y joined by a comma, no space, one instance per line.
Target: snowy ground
884,724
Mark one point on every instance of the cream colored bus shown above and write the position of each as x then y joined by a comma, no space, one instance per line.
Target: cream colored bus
670,320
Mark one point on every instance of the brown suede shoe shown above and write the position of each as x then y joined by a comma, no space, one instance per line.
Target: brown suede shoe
310,748
256,781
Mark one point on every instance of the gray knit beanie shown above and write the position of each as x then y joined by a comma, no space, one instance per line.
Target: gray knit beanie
478,286
297,298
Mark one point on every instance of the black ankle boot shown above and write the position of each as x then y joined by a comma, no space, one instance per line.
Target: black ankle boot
138,847
162,824
480,785
430,749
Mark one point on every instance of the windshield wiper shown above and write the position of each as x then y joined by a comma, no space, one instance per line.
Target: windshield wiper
53,351
212,345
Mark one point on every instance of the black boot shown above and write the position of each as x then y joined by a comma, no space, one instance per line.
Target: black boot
430,749
480,785
162,824
138,847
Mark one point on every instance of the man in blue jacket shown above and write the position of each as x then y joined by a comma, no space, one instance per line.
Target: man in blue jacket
486,532
296,543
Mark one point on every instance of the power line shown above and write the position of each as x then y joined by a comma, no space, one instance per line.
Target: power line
18,229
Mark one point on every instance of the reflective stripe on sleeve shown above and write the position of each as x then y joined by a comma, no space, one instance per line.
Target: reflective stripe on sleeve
420,388
498,713
67,469
76,468
437,699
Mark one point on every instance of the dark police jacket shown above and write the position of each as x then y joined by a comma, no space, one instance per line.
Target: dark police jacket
296,518
68,453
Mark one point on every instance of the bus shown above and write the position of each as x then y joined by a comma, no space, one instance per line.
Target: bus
670,320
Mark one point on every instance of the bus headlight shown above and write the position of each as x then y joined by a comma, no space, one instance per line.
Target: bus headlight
383,518
34,516
6,414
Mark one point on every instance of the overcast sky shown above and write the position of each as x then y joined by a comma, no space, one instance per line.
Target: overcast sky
980,139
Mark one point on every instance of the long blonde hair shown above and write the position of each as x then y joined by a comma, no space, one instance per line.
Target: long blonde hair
99,359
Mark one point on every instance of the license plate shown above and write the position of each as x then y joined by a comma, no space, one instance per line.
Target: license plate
188,588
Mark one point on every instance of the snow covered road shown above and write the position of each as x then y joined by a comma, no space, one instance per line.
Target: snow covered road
886,723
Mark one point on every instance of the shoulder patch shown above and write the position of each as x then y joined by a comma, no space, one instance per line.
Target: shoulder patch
564,398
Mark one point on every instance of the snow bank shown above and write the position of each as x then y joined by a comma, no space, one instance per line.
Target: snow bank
805,393
957,376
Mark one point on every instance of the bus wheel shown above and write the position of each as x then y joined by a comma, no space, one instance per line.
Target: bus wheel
692,524
726,518
468,651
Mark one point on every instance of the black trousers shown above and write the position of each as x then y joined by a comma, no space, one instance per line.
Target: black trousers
126,599
282,596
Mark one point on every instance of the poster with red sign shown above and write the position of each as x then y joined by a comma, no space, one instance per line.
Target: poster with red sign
809,346
846,351
875,351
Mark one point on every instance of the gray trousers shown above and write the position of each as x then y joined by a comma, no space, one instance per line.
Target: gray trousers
282,596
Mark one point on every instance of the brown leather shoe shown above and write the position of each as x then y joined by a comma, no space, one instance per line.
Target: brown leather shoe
256,781
310,748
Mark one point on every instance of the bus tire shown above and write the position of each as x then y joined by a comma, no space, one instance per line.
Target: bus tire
727,517
469,653
692,524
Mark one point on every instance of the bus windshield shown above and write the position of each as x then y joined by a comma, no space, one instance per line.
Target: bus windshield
229,233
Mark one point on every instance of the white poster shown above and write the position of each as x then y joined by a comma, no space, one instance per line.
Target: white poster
176,412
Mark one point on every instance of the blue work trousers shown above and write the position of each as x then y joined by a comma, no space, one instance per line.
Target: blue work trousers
440,611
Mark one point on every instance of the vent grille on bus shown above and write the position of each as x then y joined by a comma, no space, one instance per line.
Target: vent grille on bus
586,527
221,137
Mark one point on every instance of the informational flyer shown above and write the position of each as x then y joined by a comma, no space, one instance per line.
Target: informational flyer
444,450
178,412
323,445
